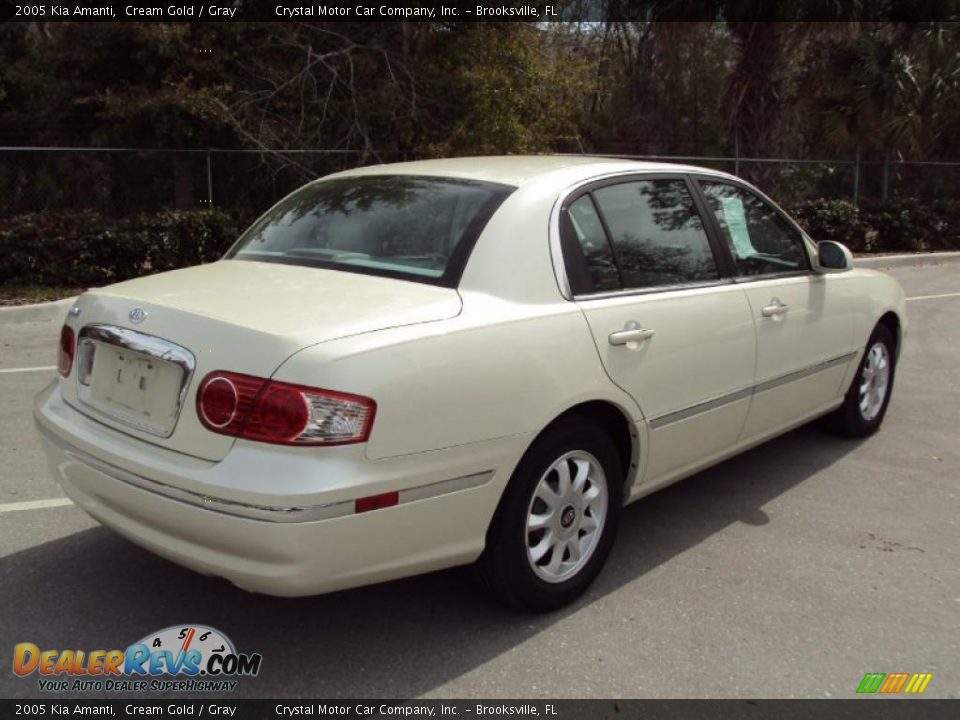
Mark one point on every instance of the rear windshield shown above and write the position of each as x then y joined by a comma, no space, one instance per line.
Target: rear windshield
405,226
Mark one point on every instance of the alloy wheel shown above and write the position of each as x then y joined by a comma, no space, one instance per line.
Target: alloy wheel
566,516
874,381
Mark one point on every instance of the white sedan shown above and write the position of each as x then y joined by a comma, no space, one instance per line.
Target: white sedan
408,367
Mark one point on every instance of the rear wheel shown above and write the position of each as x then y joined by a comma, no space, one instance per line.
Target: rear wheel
557,520
866,401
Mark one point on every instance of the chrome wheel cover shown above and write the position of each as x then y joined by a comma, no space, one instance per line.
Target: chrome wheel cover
874,381
566,516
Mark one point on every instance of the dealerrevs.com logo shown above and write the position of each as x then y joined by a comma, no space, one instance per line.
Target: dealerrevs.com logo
197,657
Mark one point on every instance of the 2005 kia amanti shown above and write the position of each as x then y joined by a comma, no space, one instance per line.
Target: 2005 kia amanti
407,367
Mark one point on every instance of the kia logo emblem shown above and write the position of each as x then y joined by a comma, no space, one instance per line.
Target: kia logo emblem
138,315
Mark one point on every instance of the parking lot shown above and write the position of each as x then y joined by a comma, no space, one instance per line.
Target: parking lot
790,571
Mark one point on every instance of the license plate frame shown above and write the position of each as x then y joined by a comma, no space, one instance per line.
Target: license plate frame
131,378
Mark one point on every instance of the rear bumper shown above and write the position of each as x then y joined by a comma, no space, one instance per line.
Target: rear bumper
298,543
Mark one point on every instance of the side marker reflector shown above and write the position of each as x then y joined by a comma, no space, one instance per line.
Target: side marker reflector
376,502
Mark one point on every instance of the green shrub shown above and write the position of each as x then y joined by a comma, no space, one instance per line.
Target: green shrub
943,231
899,225
86,249
902,225
837,220
910,225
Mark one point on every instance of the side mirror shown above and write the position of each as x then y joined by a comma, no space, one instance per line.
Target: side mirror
833,257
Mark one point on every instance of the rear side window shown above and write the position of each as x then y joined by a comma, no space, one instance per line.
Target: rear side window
405,226
584,225
654,237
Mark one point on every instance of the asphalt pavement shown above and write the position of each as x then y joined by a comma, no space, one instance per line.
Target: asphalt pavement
789,571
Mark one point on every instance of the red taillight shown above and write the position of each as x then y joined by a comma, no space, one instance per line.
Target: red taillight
268,411
67,347
280,415
218,402
224,401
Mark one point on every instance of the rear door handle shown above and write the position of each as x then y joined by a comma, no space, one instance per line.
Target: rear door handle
631,333
774,309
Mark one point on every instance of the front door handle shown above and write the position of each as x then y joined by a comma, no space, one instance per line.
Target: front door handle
632,333
774,309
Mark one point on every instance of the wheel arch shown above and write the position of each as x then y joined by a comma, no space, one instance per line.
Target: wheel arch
891,321
618,425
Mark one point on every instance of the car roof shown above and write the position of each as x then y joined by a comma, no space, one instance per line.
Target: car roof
519,170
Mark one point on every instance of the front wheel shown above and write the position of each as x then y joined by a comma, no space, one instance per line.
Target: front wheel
557,520
866,401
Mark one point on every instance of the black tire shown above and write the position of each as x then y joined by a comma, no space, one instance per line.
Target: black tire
504,566
849,419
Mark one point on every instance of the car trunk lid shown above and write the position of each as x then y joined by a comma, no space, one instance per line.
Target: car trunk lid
144,345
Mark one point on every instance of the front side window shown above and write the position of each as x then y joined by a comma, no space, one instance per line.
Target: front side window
406,226
656,233
761,241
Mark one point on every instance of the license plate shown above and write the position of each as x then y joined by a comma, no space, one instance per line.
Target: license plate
135,388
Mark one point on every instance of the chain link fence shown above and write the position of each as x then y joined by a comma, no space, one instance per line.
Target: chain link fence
120,182
791,180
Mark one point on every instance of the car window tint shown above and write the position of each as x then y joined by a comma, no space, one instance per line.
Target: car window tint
760,240
657,234
597,255
412,227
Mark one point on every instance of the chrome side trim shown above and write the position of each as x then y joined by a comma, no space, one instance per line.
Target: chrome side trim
805,372
706,406
145,345
443,487
717,402
252,511
746,280
631,292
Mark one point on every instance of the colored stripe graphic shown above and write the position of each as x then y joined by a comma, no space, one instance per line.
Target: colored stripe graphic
918,683
893,683
871,682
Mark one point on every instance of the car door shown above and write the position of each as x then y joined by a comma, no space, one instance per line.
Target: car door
804,320
669,328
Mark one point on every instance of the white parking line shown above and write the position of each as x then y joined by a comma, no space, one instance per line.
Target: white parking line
35,504
43,368
934,297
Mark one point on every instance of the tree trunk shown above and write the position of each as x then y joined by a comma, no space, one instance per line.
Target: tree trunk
885,190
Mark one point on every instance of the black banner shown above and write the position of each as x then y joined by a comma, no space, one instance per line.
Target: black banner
860,709
473,10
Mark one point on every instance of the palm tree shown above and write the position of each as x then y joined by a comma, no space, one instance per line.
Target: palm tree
894,88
